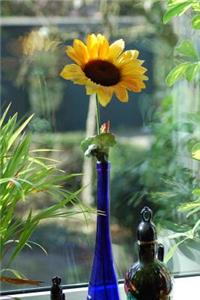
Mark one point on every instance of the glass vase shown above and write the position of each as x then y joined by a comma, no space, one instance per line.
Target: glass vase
103,283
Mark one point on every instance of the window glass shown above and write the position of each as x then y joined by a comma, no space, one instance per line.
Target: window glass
157,130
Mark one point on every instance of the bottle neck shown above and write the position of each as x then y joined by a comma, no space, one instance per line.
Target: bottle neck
103,238
147,252
103,186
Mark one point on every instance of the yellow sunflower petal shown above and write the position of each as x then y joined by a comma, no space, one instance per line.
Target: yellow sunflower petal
103,47
116,49
91,40
133,85
92,46
75,73
104,95
121,93
128,56
144,77
73,55
134,53
81,50
131,70
91,90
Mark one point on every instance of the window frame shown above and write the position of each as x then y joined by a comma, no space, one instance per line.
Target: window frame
183,288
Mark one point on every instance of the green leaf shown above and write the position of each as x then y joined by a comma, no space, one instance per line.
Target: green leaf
196,5
189,206
18,131
179,235
22,175
28,228
98,145
4,115
19,157
187,48
196,22
192,71
194,211
53,211
196,151
196,227
177,73
176,9
86,143
39,246
196,192
187,251
172,250
15,272
105,140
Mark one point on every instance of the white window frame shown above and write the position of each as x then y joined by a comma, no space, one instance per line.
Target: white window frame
184,288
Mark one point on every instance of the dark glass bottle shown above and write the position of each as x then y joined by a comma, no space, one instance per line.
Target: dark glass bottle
56,290
103,283
148,279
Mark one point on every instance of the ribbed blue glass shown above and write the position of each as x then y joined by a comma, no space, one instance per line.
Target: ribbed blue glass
103,280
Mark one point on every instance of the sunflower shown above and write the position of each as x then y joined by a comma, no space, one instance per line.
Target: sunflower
105,69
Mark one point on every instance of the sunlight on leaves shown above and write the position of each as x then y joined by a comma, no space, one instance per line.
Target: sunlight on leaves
196,22
175,8
177,73
196,151
187,48
192,71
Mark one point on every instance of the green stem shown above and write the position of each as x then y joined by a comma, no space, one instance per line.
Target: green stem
97,115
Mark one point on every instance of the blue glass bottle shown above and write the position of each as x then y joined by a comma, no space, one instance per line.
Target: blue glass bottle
103,280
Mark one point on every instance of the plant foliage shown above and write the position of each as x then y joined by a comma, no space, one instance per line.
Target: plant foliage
188,63
98,145
179,7
187,67
24,172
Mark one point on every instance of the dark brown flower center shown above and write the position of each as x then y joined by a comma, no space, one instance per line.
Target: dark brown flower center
102,72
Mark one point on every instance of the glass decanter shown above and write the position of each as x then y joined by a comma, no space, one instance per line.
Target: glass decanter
149,278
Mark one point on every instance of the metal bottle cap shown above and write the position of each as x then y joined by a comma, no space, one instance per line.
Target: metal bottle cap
146,232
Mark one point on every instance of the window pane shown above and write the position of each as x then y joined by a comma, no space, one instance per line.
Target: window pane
156,131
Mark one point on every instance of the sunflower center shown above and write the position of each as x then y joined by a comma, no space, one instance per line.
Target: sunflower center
102,72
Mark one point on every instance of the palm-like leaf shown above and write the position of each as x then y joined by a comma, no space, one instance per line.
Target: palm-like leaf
24,172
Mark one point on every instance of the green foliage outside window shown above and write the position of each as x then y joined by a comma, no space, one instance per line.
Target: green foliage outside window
188,59
188,67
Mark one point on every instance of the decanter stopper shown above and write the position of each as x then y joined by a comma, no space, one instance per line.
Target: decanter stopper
146,230
56,290
148,278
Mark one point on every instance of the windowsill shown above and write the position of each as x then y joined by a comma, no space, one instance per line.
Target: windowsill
184,288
